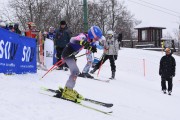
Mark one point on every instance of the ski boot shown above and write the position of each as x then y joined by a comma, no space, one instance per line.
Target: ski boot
113,75
94,70
82,75
72,95
60,68
169,92
164,91
88,75
65,69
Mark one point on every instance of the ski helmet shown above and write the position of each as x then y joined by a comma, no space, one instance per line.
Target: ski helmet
110,32
94,32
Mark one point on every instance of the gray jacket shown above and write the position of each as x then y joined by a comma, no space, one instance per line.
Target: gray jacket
111,46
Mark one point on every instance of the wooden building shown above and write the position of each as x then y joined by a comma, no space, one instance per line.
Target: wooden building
150,35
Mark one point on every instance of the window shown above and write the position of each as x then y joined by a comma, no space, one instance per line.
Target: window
144,35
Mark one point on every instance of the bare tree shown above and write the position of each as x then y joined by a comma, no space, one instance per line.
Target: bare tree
107,14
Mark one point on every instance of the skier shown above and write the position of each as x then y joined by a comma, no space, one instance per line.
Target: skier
111,47
69,52
167,70
89,56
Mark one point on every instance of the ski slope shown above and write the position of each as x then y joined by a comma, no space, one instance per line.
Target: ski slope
136,95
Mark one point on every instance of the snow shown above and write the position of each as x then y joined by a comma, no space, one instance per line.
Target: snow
135,96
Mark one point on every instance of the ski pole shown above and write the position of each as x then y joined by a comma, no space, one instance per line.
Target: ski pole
57,64
63,63
81,55
51,68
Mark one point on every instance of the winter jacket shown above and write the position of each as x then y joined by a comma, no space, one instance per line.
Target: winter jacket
51,36
167,66
62,37
111,46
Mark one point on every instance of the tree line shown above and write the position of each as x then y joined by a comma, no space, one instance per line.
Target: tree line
107,14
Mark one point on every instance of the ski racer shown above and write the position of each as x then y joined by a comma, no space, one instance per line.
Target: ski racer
76,44
111,48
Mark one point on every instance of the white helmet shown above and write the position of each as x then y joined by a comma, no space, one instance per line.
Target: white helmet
2,24
51,29
110,32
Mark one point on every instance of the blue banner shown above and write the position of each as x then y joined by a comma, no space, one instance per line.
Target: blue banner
17,53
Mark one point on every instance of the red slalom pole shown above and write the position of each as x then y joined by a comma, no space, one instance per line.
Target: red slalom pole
100,65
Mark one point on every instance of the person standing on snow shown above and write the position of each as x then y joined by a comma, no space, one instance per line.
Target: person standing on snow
72,48
89,56
167,70
111,48
62,37
16,28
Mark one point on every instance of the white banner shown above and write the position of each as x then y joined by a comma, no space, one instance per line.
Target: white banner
48,53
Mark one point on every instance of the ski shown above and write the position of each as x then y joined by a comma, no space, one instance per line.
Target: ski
101,80
86,106
108,105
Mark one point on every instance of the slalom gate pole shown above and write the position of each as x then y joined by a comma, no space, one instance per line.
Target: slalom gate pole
144,66
101,64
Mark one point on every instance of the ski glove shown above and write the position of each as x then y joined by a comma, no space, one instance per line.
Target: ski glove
92,49
84,43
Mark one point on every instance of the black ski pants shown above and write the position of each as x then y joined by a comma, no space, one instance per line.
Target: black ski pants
111,59
59,54
163,83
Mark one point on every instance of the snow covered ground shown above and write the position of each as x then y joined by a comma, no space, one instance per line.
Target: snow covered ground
135,96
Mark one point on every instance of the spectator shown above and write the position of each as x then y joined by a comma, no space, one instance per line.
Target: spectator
2,25
120,39
16,28
51,34
31,32
167,70
11,27
62,38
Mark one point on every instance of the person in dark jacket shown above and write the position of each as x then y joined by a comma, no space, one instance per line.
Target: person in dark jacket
16,28
167,70
62,38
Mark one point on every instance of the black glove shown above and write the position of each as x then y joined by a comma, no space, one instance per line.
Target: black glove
115,57
92,49
84,43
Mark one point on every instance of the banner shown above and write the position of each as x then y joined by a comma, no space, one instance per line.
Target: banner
17,53
48,53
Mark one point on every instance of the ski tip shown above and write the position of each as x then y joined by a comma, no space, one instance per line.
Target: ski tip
110,112
110,105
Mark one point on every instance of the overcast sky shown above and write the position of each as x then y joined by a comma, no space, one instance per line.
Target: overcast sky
161,17
142,9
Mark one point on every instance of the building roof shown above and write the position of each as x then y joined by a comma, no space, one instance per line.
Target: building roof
148,25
